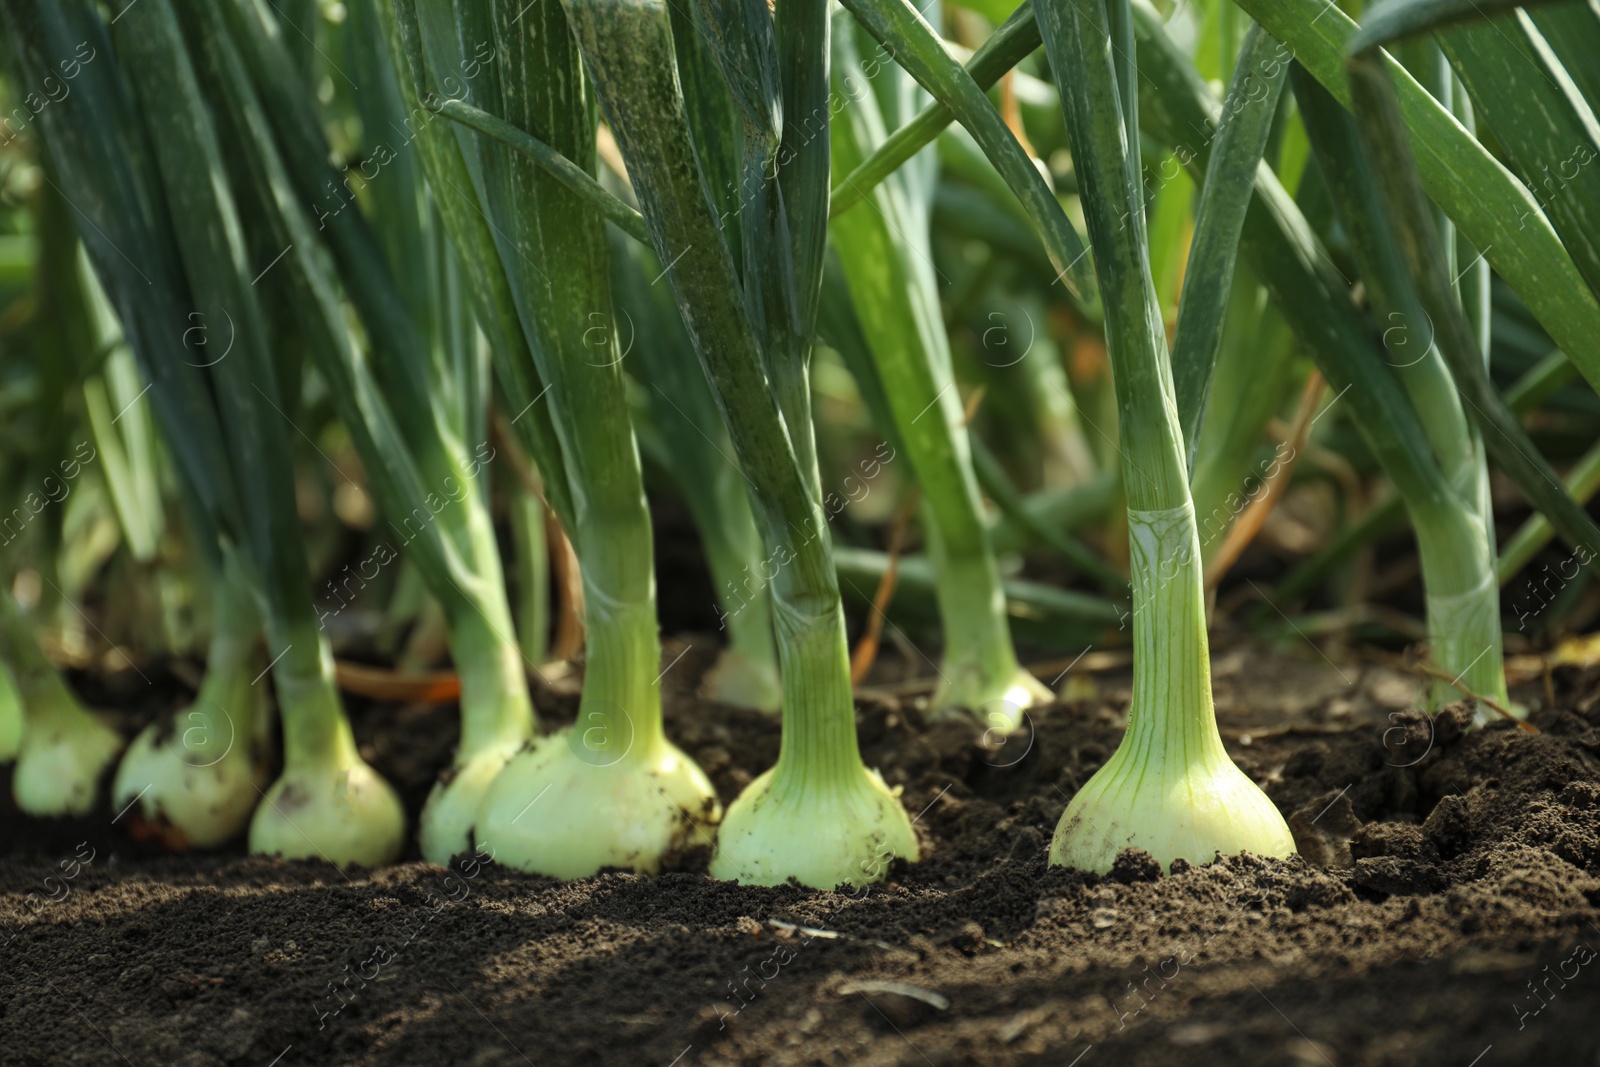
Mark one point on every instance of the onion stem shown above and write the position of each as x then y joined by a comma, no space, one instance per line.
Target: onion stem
64,747
533,576
197,776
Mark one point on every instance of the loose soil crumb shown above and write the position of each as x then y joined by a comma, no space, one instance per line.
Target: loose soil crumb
1445,910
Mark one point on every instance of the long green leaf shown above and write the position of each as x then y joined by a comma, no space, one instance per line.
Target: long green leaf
97,141
457,193
267,195
1286,255
744,46
1012,42
1545,129
557,243
802,175
1492,209
1392,20
1573,33
912,43
1224,198
645,109
1155,473
803,165
717,131
210,239
1383,133
368,278
398,208
884,257
568,173
1408,342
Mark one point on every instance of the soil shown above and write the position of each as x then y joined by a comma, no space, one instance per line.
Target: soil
1445,910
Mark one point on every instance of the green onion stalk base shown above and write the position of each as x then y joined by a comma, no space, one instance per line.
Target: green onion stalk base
819,815
745,681
328,803
844,832
64,751
496,724
610,790
1170,788
444,829
1465,629
1464,637
746,673
979,676
1463,601
64,748
558,809
200,772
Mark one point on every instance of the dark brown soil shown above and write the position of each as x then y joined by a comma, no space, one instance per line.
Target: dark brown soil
1450,916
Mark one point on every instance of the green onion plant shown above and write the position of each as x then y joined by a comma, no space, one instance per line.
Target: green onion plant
64,748
1288,256
614,791
416,406
61,748
161,190
886,260
1170,788
516,257
198,774
819,815
1454,535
